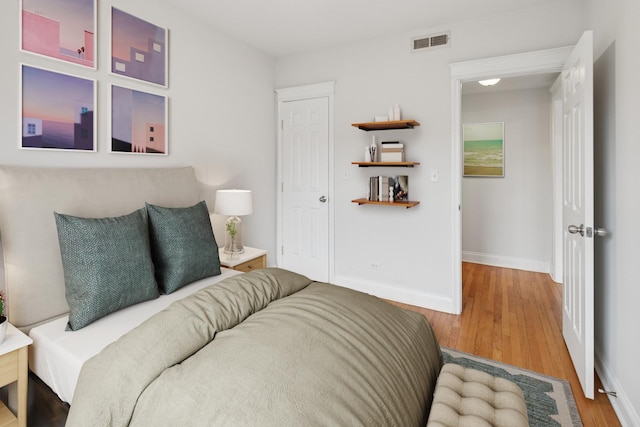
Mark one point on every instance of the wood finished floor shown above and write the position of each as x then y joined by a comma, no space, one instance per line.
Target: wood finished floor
515,317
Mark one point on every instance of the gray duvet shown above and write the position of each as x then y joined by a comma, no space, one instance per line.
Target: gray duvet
266,348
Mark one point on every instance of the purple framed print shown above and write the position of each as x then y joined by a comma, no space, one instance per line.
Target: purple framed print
138,49
57,111
138,122
60,29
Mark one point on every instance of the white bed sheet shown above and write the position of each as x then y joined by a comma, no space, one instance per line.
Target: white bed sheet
57,356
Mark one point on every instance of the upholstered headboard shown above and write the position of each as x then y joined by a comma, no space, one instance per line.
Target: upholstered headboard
34,278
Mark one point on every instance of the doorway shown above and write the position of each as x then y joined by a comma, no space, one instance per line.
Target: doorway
577,182
529,63
507,220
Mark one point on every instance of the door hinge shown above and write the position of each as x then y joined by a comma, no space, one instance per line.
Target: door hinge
281,250
281,124
282,187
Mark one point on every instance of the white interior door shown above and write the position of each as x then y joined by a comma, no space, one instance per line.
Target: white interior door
305,186
578,220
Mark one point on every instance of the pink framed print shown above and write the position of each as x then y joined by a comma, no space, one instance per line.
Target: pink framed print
138,49
138,122
64,30
57,111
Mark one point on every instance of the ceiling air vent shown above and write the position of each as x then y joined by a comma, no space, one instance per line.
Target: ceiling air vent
420,43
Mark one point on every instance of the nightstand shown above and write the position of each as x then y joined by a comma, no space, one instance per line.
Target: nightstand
14,367
250,259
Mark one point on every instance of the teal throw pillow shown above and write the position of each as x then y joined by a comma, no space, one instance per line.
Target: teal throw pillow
183,246
107,264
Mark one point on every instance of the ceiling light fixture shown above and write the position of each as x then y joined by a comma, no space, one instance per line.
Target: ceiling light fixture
488,82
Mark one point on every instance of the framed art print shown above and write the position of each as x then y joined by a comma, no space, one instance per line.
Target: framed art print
138,49
60,29
138,122
483,149
57,111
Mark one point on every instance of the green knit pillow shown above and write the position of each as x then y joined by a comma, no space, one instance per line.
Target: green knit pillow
183,246
107,264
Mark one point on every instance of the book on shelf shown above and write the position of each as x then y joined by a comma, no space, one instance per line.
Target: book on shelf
373,188
385,184
382,188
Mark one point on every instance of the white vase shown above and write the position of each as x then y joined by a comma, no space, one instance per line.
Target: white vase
374,149
3,328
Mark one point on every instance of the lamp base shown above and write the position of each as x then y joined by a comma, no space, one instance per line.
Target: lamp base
233,236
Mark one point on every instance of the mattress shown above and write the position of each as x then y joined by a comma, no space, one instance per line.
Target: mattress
57,356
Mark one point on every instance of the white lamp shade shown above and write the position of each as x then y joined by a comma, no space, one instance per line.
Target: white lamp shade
234,202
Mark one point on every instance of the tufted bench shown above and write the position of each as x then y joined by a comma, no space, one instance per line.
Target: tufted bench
468,397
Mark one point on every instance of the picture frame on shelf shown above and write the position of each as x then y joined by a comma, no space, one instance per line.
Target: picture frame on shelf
139,122
57,111
63,30
139,49
401,188
483,150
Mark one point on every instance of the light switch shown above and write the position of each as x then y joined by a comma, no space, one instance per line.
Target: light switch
434,175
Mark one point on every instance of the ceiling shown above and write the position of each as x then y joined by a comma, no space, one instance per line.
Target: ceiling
284,27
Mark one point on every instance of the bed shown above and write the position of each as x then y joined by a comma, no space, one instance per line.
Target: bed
270,347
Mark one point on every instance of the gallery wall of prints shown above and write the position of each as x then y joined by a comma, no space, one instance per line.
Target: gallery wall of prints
58,109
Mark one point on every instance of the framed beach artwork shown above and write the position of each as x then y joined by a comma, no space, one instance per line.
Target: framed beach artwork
57,111
60,29
483,147
138,122
138,49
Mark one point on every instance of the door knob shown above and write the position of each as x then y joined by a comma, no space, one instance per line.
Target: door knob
322,199
573,229
599,231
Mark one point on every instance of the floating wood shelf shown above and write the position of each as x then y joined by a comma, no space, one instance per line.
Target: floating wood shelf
396,124
392,164
407,205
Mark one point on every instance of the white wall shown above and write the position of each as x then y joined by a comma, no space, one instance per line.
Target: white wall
617,150
413,246
221,101
508,221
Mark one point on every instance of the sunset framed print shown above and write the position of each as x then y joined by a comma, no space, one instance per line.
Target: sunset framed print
483,149
57,111
64,30
138,122
138,49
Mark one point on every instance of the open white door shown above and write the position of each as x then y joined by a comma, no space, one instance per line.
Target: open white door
578,220
305,186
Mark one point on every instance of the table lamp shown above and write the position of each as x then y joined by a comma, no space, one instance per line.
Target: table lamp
234,203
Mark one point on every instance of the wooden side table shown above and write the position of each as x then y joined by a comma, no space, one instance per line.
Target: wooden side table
250,259
14,367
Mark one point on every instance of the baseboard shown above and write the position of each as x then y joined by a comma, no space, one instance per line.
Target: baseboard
506,262
627,414
403,295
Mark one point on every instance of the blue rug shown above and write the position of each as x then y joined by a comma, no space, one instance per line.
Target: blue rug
549,400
